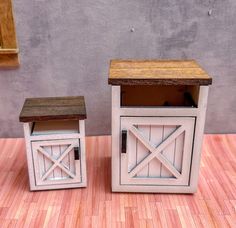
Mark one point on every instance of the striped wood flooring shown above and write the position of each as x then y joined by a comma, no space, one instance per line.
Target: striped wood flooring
214,205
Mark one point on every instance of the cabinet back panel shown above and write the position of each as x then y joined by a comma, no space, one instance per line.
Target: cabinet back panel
158,95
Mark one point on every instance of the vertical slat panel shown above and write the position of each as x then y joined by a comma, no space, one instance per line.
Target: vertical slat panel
169,151
62,149
76,164
66,160
52,174
132,151
47,162
41,164
156,137
142,151
56,154
72,160
179,152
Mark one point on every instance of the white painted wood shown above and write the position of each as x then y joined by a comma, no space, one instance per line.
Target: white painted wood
163,111
65,161
41,164
69,184
81,165
187,152
55,127
156,152
57,172
49,176
142,151
116,156
169,151
47,162
154,188
54,137
27,132
156,120
156,138
185,124
179,145
51,161
198,137
132,146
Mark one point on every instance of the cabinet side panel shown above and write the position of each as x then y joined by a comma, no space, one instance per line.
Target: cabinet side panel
115,137
198,136
82,162
27,132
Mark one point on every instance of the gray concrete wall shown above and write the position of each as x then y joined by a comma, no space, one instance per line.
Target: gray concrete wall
66,46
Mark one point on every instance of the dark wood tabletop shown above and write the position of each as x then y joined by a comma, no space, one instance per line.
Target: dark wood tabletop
53,108
157,72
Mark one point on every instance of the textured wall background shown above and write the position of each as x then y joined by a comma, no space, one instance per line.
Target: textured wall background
66,47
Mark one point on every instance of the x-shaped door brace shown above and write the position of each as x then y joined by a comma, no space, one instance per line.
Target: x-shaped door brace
57,162
155,151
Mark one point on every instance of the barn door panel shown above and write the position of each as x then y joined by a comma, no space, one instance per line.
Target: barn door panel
158,150
55,162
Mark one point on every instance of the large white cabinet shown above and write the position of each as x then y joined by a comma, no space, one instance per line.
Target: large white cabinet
157,125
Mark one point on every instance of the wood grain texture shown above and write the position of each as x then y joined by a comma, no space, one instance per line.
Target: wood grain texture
9,60
157,72
53,108
8,43
95,206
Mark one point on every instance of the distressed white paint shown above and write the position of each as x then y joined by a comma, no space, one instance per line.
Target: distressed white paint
155,173
115,128
175,126
198,137
50,157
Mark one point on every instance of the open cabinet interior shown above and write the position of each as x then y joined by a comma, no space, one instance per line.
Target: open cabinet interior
159,95
55,127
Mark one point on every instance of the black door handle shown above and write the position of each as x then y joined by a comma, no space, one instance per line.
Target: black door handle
77,153
123,141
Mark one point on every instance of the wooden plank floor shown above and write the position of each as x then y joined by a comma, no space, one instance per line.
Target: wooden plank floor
214,205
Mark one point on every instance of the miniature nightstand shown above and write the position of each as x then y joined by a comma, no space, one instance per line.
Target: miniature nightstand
158,116
55,142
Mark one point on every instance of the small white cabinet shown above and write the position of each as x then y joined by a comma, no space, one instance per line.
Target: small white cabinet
56,162
158,115
55,142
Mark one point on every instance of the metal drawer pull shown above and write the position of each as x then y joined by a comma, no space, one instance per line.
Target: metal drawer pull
123,141
77,153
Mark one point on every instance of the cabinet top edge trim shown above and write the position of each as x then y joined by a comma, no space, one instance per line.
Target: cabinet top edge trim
159,81
157,72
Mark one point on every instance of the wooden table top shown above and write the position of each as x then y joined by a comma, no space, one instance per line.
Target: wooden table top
53,108
157,72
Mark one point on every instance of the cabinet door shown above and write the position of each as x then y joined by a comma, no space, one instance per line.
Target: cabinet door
57,161
156,150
